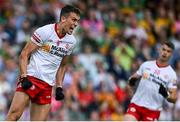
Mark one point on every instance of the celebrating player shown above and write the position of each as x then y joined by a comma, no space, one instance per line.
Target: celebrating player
158,82
48,50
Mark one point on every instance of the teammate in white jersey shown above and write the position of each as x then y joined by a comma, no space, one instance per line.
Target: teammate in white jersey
48,50
157,83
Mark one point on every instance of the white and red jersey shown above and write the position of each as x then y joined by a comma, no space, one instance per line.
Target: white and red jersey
147,93
45,62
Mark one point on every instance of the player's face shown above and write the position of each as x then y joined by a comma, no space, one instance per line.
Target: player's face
71,22
165,53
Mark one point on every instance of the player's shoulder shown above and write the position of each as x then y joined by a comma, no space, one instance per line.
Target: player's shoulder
149,62
71,38
45,30
171,70
48,27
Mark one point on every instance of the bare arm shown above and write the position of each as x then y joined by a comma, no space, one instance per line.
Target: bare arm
25,54
172,97
61,72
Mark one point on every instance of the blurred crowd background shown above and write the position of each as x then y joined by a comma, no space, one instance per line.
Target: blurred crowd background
114,38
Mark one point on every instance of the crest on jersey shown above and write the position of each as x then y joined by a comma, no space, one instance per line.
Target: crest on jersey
157,72
58,42
67,46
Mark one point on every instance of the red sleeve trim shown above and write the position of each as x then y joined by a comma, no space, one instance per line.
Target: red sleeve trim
36,38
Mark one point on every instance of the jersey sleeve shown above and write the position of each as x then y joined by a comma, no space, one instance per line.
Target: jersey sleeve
72,48
40,36
70,51
173,82
140,70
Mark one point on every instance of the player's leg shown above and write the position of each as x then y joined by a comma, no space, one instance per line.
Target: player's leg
129,117
41,105
18,105
39,112
133,113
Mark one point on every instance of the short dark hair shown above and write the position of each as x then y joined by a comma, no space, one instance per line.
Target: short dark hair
68,9
169,44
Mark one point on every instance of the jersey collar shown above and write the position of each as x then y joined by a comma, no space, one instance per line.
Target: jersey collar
161,65
56,28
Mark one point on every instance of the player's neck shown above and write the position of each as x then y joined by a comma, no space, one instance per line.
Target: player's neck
161,63
60,30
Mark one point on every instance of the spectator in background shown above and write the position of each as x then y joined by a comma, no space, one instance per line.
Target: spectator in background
177,24
123,55
23,35
93,25
135,30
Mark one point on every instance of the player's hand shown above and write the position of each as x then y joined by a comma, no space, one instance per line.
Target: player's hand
25,83
59,93
132,81
163,91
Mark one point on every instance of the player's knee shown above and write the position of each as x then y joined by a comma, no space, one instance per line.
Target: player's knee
129,117
13,115
126,118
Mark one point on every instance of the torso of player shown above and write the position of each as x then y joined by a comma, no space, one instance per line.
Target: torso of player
147,93
45,62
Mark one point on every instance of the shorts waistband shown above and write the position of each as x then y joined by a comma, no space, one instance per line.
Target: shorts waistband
34,79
